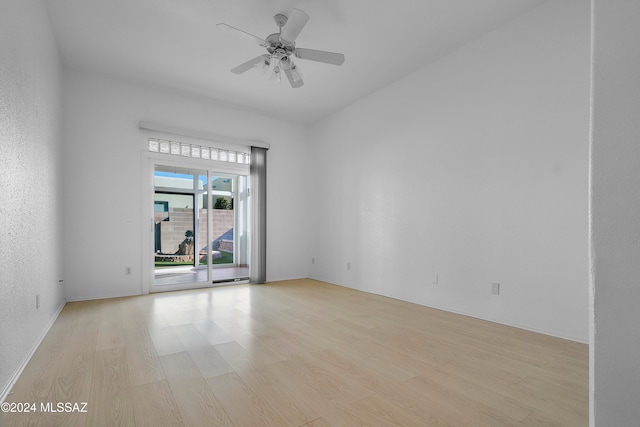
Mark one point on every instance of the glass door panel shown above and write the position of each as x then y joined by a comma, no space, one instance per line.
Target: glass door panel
181,227
230,259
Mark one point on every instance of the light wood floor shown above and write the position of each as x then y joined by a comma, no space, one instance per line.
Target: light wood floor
296,353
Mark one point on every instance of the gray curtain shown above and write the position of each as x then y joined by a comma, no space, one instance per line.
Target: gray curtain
258,193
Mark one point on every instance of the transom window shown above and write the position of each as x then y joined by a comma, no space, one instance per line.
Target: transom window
182,149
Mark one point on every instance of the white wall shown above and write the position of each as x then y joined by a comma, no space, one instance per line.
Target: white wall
102,178
615,209
474,169
30,236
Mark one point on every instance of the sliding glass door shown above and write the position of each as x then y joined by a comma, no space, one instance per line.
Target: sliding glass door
200,235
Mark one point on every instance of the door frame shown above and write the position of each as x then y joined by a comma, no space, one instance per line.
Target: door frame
148,163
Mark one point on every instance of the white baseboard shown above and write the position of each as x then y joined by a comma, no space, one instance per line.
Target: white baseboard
7,389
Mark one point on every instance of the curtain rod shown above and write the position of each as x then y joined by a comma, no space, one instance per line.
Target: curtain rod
201,134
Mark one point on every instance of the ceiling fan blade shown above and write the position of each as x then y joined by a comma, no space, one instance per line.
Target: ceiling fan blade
294,83
249,64
295,23
228,28
320,56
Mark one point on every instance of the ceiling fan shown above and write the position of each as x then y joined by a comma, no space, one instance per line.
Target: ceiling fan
281,46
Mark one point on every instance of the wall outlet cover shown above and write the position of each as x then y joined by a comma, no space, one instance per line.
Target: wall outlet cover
495,288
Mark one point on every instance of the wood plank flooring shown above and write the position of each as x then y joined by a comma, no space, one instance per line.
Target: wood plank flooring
296,353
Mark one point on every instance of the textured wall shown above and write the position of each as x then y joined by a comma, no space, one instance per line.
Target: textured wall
29,190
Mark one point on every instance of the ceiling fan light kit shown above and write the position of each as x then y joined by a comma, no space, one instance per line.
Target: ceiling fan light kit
280,47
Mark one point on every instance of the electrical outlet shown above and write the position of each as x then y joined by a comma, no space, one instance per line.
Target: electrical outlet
127,271
435,279
313,260
348,266
37,301
495,288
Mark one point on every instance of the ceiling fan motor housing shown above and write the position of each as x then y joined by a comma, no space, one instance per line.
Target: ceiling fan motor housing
274,43
279,50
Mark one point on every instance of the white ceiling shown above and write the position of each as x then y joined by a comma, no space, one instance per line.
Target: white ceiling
174,43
